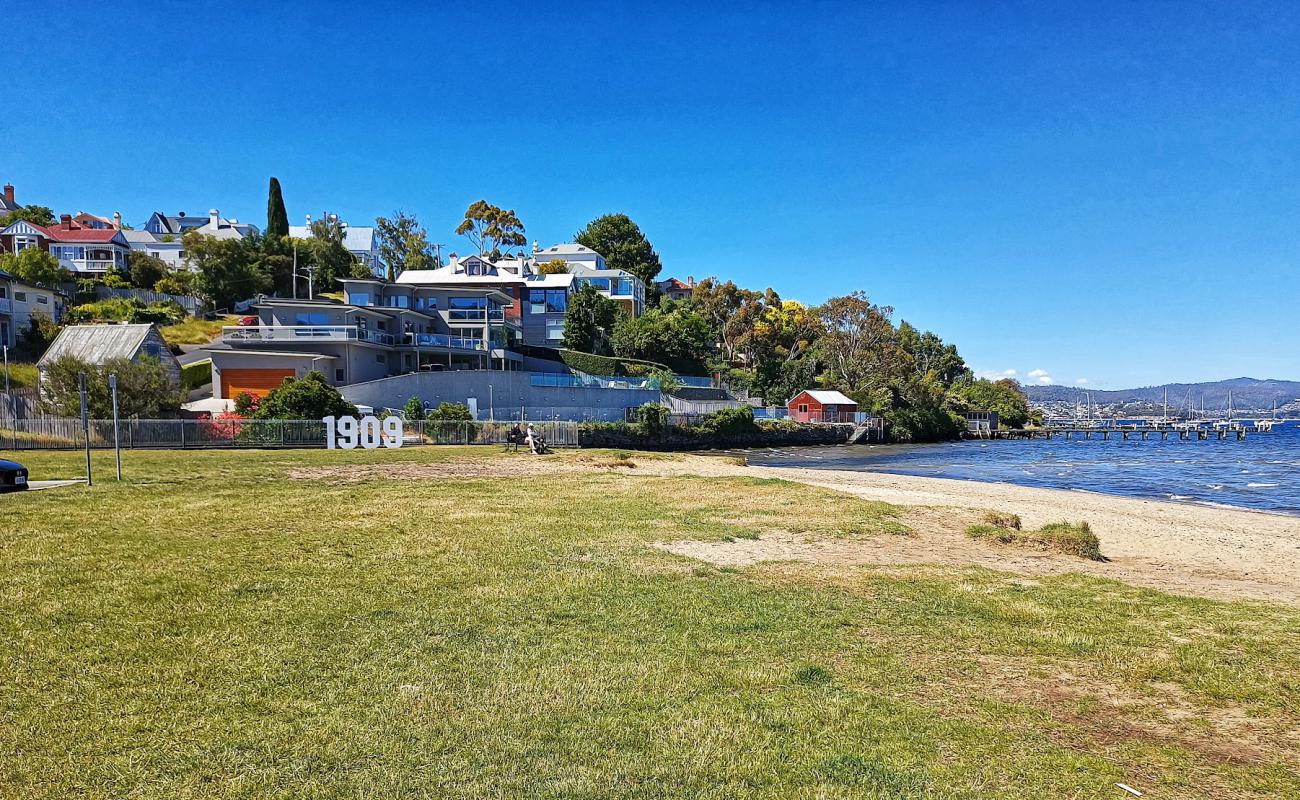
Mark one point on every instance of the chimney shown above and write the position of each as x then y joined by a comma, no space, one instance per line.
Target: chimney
690,281
117,220
65,222
214,219
9,194
535,247
454,261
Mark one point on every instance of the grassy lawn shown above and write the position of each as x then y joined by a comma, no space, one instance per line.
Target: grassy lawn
217,628
196,331
21,375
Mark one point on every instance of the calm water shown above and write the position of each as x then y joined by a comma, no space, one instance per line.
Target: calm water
1261,473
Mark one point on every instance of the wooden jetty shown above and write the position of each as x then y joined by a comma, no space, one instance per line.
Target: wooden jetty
1221,432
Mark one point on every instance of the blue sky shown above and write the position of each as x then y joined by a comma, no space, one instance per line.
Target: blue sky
1108,193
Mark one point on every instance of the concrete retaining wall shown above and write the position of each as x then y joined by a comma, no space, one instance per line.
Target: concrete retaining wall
500,394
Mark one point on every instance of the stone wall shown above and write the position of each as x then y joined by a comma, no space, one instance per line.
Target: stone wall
784,434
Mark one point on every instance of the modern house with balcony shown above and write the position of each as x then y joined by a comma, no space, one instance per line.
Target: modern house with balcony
86,252
539,300
380,330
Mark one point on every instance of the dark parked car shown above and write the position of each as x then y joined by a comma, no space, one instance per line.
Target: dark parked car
13,476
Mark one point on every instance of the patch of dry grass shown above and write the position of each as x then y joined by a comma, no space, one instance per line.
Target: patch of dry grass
1071,538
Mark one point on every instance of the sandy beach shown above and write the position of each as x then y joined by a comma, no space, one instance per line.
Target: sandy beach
1181,548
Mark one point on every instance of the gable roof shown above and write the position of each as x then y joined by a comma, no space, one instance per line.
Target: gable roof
569,249
829,397
57,233
93,235
96,344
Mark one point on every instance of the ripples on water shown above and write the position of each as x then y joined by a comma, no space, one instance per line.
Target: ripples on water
1261,473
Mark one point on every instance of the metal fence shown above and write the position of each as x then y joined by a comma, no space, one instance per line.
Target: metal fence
67,434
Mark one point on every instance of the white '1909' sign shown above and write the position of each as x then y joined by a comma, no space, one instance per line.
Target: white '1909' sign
369,432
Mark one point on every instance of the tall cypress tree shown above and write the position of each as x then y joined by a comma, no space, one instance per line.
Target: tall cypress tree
277,221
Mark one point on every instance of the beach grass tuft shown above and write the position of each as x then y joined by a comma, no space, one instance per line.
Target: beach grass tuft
1072,538
1002,519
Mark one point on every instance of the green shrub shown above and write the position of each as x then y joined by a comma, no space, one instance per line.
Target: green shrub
448,412
652,417
308,397
729,422
923,424
196,374
413,410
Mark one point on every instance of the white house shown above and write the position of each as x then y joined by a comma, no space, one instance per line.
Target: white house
19,302
359,240
82,251
161,235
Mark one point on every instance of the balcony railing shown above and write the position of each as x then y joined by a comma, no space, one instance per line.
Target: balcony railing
88,264
6,305
304,333
444,341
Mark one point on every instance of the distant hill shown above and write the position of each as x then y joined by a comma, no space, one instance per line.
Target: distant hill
1247,394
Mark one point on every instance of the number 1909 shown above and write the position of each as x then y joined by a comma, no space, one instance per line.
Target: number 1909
369,432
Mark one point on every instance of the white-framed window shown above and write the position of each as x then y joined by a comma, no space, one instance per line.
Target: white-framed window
20,297
43,299
554,330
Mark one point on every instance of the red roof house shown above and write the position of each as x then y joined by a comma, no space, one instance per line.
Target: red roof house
83,251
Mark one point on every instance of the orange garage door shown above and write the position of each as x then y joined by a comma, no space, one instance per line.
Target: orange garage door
254,381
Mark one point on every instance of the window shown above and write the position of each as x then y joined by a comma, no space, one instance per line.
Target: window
338,376
557,301
4,292
360,298
623,286
379,358
467,308
20,297
43,299
600,283
426,302
554,330
803,408
398,301
381,325
537,301
312,318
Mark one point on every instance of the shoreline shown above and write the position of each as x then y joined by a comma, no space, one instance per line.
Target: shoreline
1180,547
1187,501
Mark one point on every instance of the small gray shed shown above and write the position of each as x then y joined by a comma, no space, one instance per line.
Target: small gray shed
96,344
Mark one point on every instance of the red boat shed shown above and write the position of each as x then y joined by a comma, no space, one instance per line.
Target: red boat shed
817,405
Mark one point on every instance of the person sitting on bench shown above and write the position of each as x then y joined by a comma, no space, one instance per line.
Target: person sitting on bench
532,439
515,437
